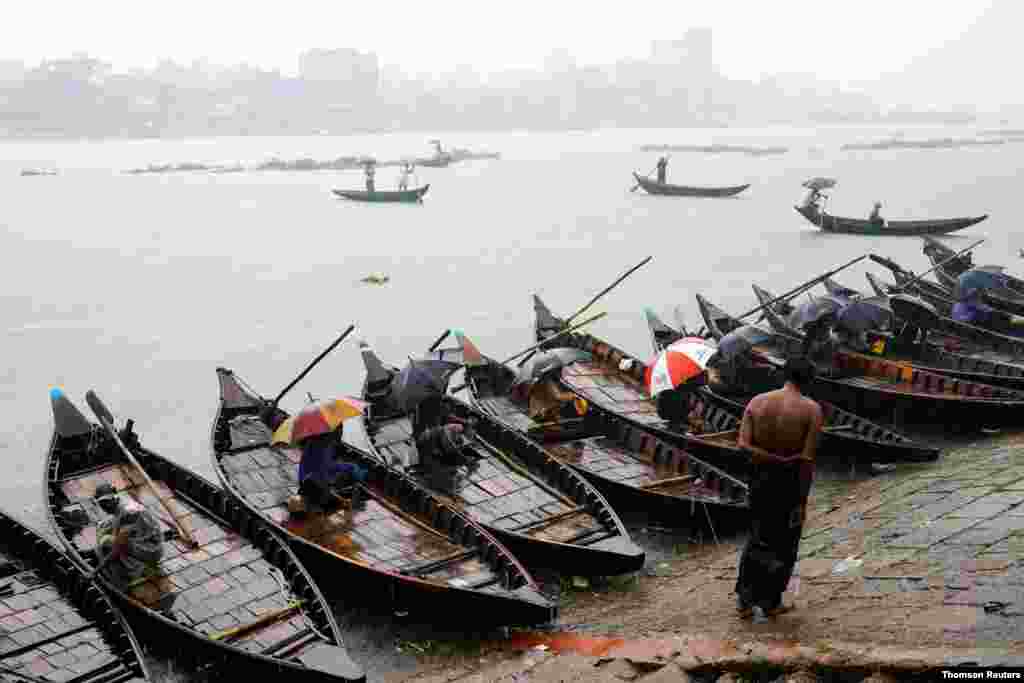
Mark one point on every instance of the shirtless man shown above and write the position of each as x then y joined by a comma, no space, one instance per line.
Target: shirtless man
780,429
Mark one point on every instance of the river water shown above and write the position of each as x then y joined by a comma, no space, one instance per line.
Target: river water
139,286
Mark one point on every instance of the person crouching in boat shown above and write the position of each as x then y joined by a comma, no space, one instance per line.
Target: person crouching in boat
130,542
780,430
441,437
812,199
675,406
876,214
321,475
662,169
549,402
974,311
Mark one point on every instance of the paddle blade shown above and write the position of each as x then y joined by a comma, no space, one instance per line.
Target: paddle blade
98,408
68,420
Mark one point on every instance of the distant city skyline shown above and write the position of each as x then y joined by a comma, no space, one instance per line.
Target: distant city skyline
844,42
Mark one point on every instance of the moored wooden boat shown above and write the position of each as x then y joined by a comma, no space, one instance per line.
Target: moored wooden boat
636,470
405,547
413,195
240,600
953,356
937,253
656,188
858,226
58,625
622,392
1009,299
545,512
893,391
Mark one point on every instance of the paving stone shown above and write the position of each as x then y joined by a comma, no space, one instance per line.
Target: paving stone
981,509
934,533
983,534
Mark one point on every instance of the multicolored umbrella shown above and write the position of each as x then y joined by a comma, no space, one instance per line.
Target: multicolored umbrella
679,363
317,418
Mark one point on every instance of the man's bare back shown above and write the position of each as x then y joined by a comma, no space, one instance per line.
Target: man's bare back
781,425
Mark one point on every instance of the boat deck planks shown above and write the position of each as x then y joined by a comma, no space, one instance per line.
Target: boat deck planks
374,536
223,584
491,491
42,634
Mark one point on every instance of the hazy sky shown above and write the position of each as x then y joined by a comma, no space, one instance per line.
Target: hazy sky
846,40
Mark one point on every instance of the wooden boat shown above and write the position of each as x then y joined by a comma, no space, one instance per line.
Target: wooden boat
542,510
623,393
859,226
893,391
654,187
971,337
405,547
442,161
937,252
846,435
240,600
58,625
413,195
636,470
951,355
940,302
1009,299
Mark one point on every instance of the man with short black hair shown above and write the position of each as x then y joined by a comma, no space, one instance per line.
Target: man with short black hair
780,429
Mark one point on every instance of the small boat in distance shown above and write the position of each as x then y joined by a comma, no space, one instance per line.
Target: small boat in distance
409,196
656,188
858,226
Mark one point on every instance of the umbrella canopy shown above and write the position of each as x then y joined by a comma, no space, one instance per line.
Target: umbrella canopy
420,380
872,313
978,279
680,362
317,418
813,311
741,340
820,183
549,361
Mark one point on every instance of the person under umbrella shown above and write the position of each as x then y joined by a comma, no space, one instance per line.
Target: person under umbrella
537,380
971,307
317,430
675,374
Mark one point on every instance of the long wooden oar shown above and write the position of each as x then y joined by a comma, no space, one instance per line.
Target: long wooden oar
933,268
608,289
440,339
797,291
313,364
106,419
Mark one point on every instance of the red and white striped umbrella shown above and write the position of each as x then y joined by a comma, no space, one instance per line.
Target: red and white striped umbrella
681,361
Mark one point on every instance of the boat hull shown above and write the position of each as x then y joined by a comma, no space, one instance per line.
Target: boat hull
667,190
330,557
62,608
856,226
198,592
393,196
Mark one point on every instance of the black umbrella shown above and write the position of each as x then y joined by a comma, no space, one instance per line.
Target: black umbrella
420,380
549,361
814,311
741,340
872,313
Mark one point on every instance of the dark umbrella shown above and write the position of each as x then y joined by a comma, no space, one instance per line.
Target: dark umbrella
739,341
420,380
814,311
872,313
975,279
549,361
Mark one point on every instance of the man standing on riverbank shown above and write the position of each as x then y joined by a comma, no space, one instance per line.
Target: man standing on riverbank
780,429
